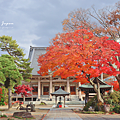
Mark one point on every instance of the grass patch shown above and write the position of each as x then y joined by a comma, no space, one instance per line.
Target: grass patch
24,118
18,117
92,112
10,119
3,109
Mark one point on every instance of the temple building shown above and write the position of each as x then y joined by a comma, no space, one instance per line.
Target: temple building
45,85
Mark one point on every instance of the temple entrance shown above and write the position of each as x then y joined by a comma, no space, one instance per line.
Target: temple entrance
73,90
35,90
57,87
46,90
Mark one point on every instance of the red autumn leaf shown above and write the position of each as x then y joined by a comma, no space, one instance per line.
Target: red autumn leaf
115,85
80,54
23,90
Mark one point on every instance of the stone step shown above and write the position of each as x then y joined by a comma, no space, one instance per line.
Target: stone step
53,102
71,97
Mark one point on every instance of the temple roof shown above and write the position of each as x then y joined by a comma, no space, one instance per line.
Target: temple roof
60,92
34,54
100,81
89,88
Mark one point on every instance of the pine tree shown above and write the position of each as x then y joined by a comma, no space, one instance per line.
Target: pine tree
9,74
12,48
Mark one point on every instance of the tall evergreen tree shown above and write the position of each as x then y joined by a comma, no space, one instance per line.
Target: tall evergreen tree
12,48
9,74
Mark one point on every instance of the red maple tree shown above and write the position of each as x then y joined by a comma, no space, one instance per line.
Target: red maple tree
115,85
81,54
23,90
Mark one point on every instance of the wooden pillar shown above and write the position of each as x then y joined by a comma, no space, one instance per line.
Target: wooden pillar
68,88
64,101
79,93
24,99
31,93
39,84
32,99
56,100
50,89
86,97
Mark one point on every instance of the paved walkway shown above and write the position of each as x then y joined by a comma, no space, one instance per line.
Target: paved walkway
99,116
61,114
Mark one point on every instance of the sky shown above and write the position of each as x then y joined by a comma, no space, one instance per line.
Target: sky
35,22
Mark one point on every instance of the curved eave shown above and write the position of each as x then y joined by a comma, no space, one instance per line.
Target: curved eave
90,88
60,94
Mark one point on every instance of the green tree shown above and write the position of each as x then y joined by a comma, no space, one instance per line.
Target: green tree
9,74
12,48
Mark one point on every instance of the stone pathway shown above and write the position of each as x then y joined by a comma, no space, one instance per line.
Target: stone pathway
99,116
61,114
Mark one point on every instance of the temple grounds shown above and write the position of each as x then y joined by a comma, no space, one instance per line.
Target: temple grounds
46,112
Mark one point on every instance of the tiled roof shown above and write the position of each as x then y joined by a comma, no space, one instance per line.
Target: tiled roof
60,92
34,54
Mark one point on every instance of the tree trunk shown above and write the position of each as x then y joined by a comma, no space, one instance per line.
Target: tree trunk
23,99
97,90
9,98
118,79
98,93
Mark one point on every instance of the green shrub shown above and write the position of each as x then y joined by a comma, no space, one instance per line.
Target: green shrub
3,116
42,103
117,109
111,108
115,96
109,101
92,102
114,100
85,108
113,113
96,108
2,98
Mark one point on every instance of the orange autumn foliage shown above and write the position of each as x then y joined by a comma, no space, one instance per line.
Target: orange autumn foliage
80,54
115,85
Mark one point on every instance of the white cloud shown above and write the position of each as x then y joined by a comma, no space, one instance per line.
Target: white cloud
37,21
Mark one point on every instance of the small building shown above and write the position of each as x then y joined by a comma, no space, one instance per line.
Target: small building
89,88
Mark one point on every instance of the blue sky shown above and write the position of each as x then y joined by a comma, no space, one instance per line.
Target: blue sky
35,22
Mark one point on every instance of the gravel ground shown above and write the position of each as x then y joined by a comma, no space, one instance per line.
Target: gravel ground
38,115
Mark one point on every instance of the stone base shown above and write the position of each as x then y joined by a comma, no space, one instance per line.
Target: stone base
38,100
22,114
79,99
50,100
